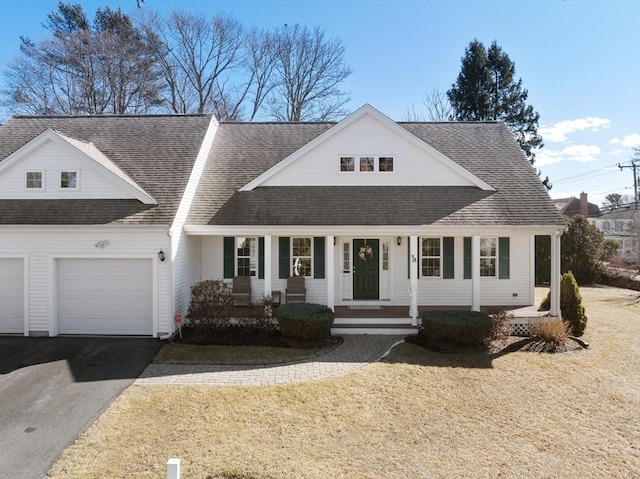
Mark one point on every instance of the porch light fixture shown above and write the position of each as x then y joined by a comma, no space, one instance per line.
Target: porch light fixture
399,240
161,255
101,244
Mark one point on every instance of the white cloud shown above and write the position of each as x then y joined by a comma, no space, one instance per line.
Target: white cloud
629,140
616,152
557,133
580,153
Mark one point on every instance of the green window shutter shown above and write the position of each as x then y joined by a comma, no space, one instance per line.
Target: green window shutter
503,252
284,251
318,257
229,256
448,257
467,257
261,257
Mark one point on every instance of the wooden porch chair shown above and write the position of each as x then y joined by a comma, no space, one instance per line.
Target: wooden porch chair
241,290
296,292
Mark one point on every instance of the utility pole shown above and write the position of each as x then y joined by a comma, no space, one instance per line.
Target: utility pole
634,165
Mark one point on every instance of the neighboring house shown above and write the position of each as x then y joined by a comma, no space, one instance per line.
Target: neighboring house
573,206
623,227
372,212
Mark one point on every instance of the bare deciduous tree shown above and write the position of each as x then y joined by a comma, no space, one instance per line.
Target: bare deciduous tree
79,69
199,55
438,108
309,70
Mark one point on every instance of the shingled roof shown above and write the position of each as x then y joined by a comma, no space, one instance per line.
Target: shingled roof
155,151
243,151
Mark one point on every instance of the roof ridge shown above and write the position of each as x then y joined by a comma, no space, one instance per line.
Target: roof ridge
159,115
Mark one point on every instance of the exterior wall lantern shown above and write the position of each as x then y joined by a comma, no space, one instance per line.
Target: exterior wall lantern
161,256
399,240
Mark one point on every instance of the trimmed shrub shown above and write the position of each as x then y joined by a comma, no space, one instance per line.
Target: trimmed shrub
305,321
571,304
458,327
210,305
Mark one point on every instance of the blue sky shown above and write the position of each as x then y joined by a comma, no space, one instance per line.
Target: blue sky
580,61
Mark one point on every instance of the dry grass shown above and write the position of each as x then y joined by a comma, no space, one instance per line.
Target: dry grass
419,414
175,353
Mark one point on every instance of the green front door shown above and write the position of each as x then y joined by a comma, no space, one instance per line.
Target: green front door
366,271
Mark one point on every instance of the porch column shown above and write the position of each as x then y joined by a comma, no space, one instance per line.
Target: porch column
475,273
330,270
413,279
554,308
267,265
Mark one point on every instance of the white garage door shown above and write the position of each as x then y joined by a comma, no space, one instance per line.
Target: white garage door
105,296
11,295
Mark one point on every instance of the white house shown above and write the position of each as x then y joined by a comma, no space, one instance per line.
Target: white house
622,226
106,222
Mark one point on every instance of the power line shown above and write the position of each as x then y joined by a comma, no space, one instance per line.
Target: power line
589,172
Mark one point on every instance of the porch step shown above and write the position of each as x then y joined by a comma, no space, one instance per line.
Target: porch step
373,326
370,320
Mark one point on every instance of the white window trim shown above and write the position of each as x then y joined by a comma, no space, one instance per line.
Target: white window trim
496,257
255,258
310,238
422,275
76,188
42,180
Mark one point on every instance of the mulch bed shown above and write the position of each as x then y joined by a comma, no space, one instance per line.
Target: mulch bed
508,345
247,336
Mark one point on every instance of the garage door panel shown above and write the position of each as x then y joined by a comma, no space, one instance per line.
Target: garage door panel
105,296
11,295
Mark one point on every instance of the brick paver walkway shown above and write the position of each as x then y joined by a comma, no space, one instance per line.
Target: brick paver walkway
356,351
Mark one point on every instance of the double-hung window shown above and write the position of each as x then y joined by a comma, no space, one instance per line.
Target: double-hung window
246,256
301,256
488,256
431,257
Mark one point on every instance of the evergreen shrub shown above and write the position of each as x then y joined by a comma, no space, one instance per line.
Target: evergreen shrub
457,327
305,321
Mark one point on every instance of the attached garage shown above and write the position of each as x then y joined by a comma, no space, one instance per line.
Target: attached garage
11,296
105,296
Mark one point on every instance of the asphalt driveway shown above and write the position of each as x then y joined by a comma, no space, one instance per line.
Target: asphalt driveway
52,389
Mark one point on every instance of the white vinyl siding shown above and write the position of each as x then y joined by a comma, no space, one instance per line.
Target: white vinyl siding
93,180
11,295
367,137
47,245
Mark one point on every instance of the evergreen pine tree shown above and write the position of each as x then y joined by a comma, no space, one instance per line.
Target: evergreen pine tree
486,89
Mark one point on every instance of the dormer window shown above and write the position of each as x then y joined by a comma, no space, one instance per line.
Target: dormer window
68,180
347,163
366,164
385,163
33,180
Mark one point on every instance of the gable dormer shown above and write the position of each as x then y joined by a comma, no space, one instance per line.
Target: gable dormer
367,149
55,166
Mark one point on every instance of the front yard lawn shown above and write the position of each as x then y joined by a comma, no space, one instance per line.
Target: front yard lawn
418,414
